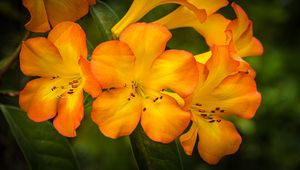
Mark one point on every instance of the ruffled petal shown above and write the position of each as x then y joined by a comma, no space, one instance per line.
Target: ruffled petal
70,40
65,10
70,114
174,69
139,8
112,64
39,19
39,57
188,140
217,139
163,120
116,112
210,6
90,84
38,100
147,42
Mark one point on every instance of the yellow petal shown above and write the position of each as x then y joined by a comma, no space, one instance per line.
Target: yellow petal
116,112
38,100
70,40
174,69
112,64
39,19
65,10
163,120
90,85
141,7
70,114
188,140
39,57
217,139
210,6
203,57
147,42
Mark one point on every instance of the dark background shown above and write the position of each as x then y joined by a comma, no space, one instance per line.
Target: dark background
270,141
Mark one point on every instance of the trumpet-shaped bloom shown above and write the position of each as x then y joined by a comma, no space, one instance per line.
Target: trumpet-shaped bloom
212,29
60,62
222,90
51,12
139,8
136,70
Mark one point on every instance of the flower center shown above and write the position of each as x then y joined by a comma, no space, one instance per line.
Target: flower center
205,113
66,85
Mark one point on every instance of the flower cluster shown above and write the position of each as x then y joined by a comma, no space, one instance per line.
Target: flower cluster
136,80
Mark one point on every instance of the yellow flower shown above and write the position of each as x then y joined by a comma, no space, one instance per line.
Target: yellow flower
222,90
136,70
60,62
139,8
46,12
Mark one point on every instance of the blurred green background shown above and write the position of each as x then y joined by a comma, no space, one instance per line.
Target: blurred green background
270,141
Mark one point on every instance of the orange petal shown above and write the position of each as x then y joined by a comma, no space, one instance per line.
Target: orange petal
70,40
39,57
65,10
163,120
237,95
217,139
39,19
220,65
188,140
116,114
147,41
174,69
112,64
92,2
38,100
139,8
90,84
210,6
70,114
254,48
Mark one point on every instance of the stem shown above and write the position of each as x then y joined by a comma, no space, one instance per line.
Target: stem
152,155
10,60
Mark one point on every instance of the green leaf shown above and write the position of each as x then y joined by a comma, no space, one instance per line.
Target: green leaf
40,143
153,155
105,18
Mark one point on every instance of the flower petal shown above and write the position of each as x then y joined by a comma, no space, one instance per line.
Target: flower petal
39,57
147,41
116,113
39,19
70,114
163,120
65,10
217,139
188,140
70,40
38,100
210,6
112,64
140,8
174,69
90,84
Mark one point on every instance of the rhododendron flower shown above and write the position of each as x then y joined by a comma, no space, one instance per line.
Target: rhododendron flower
139,8
46,12
222,90
135,71
60,62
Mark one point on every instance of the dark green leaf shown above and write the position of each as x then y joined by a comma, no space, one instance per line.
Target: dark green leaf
153,155
40,143
105,18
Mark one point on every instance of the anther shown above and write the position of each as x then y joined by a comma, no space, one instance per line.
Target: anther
211,121
128,99
155,99
217,108
161,97
70,92
162,89
203,115
197,104
212,111
219,121
74,85
144,109
201,110
75,81
53,88
222,111
132,95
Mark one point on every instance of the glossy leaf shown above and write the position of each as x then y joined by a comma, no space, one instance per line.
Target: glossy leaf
153,155
40,143
105,18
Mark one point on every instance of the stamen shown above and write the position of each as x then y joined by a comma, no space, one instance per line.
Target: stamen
211,121
144,109
161,97
132,95
217,108
197,104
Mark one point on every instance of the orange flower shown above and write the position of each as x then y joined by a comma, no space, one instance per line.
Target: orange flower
60,62
44,12
221,91
139,8
136,70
